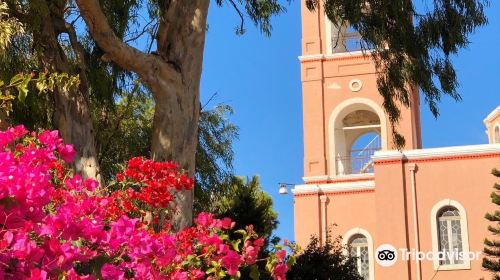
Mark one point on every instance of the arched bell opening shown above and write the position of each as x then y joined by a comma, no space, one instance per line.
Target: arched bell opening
358,131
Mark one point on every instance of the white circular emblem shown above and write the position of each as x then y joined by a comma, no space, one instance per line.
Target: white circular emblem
386,255
355,85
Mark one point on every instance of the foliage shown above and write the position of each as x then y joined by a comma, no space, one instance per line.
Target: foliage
410,47
124,133
43,81
245,202
259,12
491,261
324,262
8,26
214,155
59,226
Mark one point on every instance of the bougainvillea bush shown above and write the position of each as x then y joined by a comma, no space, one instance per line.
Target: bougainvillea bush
55,225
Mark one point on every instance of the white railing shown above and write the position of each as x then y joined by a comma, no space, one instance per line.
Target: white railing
359,161
346,42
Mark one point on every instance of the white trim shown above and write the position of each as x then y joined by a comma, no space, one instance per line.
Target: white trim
326,177
492,115
334,55
361,126
465,234
311,57
334,187
349,234
438,152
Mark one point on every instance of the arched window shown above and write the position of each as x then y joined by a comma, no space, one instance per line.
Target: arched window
497,134
449,236
358,247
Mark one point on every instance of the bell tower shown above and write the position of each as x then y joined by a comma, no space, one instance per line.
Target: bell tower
344,120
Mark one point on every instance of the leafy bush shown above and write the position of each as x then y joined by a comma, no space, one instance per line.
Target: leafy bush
56,225
324,262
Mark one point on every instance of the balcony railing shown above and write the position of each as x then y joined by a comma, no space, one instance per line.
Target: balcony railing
359,161
349,42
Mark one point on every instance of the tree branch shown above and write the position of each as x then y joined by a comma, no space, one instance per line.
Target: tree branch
240,14
119,52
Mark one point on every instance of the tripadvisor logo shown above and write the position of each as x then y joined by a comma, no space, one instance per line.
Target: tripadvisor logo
386,255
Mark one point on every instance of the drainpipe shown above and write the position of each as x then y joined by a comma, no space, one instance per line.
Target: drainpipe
323,199
413,167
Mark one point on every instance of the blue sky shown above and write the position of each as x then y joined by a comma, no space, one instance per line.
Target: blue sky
260,78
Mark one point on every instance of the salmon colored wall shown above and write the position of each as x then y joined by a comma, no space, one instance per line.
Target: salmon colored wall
360,207
392,220
325,86
387,213
467,181
307,218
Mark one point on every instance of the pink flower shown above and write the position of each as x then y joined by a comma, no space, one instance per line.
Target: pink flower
91,184
259,242
226,223
198,274
204,219
281,254
279,271
37,274
53,222
251,254
75,183
231,261
50,138
67,152
109,271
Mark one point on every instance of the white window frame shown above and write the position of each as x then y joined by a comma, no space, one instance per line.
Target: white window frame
435,234
359,231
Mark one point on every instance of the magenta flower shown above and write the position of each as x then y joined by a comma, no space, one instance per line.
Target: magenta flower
67,152
231,261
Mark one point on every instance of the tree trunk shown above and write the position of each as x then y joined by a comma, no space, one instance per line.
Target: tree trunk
173,74
71,115
4,121
175,127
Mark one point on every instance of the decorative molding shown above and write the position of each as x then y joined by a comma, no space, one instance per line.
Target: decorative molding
492,115
438,154
355,85
335,56
334,188
336,193
325,179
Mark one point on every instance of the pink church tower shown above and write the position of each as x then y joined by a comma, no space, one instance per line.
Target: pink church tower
425,200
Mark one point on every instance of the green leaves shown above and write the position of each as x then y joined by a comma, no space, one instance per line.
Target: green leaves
44,82
22,88
254,272
492,244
